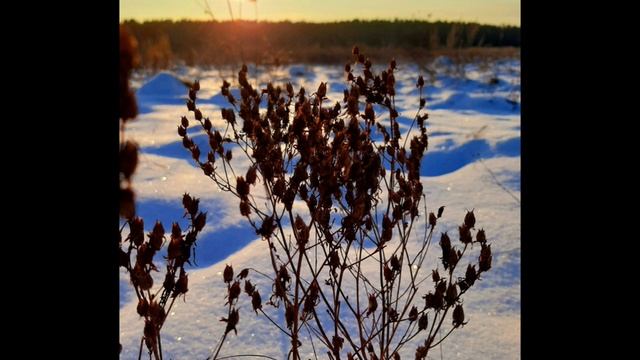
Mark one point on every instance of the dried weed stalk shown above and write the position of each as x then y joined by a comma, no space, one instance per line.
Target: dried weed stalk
136,252
360,197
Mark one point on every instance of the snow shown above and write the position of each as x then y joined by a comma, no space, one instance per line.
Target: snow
473,162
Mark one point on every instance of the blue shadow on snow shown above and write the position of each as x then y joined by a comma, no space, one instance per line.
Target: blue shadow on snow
436,163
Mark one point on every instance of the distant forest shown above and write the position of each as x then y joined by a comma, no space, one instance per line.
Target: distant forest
165,43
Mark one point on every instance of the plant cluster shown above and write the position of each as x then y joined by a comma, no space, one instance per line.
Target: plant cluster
335,193
136,253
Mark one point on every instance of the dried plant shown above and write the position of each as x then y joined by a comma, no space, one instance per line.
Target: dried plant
136,254
352,201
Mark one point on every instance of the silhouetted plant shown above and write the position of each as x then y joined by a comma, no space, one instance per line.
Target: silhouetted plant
360,199
137,256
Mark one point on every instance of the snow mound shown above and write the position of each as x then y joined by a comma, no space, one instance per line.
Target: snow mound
163,85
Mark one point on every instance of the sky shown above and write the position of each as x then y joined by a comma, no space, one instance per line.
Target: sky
497,12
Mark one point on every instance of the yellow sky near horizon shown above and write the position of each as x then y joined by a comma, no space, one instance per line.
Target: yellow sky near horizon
496,12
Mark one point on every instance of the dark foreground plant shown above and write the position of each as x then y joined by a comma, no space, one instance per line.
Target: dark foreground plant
136,254
342,179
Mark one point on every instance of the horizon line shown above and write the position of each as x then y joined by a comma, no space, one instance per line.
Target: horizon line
303,21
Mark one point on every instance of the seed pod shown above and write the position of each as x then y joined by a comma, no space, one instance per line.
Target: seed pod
174,249
143,307
192,94
289,316
470,219
245,209
227,275
187,201
256,301
437,300
355,50
465,234
336,109
485,258
440,210
251,175
420,82
185,122
242,187
144,280
413,314
207,124
435,275
186,142
451,295
334,259
290,89
395,263
458,316
454,257
369,114
302,231
481,237
195,153
445,244
199,221
393,314
243,274
423,322
175,227
234,291
169,281
322,90
471,275
192,209
207,168
432,219
248,287
268,225
145,254
388,274
182,285
387,229
136,227
373,304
